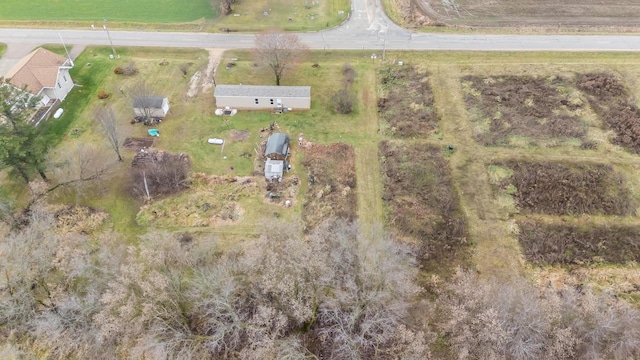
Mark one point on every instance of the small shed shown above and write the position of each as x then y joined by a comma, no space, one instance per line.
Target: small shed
277,147
274,169
260,97
151,106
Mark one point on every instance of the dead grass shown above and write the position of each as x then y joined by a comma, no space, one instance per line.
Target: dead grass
508,107
567,243
610,100
332,183
563,188
423,205
407,102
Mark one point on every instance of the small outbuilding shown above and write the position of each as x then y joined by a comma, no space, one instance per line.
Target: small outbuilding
277,147
261,97
276,152
151,106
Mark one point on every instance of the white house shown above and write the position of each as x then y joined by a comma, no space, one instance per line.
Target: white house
259,97
43,74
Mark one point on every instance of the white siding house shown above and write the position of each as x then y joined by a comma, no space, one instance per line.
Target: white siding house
43,74
259,97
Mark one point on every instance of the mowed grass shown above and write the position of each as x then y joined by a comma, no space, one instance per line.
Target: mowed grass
291,15
144,11
191,122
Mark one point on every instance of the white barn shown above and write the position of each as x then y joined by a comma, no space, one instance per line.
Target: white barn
260,97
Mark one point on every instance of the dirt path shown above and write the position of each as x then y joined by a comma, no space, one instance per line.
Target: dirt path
496,251
201,82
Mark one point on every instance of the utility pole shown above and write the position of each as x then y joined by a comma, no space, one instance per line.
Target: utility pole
104,26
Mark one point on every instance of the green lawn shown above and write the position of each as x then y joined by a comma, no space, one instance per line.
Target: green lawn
3,48
145,11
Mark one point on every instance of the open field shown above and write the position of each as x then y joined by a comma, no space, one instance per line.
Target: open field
290,15
144,11
519,15
197,15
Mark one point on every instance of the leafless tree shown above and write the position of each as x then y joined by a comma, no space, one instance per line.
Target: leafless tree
50,289
513,319
279,51
108,121
142,98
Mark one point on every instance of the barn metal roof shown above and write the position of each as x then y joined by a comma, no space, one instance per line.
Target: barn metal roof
277,143
262,91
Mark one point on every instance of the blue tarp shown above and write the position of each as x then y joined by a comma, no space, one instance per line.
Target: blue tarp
153,132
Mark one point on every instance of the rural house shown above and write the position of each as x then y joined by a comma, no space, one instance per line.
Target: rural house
151,106
260,97
43,74
276,152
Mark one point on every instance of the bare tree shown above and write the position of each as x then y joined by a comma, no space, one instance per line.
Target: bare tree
513,319
279,51
108,121
142,98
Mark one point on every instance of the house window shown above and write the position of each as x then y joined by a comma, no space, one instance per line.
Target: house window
59,86
271,101
256,101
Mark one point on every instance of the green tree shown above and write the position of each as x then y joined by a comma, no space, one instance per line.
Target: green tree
22,148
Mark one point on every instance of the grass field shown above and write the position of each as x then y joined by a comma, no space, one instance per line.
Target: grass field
196,15
291,15
144,11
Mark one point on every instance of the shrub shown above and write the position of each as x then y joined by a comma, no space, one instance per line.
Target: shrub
130,69
118,71
103,94
343,101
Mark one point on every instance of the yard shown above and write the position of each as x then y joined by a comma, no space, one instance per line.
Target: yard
227,191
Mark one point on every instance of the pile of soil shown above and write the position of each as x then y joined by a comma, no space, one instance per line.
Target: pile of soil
137,143
424,206
407,104
566,244
608,97
332,183
568,189
522,106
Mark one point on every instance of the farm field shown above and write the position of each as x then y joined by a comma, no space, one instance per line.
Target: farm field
198,15
143,11
546,15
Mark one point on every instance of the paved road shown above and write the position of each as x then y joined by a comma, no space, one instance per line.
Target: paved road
368,28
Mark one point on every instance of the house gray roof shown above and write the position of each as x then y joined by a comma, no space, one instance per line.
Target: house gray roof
277,143
152,102
262,91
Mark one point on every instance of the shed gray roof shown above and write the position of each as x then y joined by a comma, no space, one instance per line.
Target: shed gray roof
277,143
152,102
262,91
